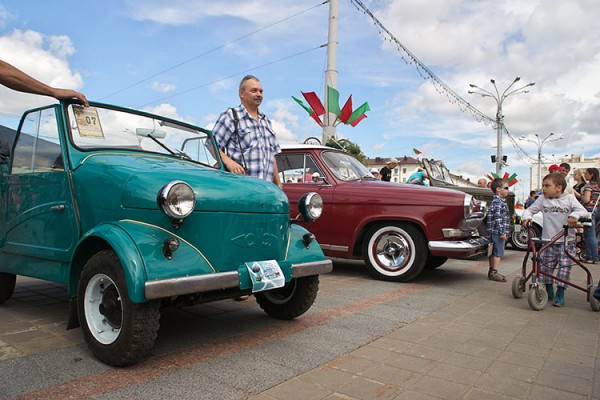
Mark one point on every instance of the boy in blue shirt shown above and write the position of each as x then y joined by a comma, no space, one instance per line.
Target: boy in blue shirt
498,227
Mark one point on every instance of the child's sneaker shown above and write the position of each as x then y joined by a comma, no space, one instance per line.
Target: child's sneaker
559,298
493,275
550,291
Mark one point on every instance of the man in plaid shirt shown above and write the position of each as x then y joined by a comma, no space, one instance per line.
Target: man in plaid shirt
250,149
498,227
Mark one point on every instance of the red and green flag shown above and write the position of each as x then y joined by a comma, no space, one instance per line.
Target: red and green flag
309,111
359,113
417,152
333,101
345,115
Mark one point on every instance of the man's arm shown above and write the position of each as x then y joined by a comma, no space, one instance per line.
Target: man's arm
276,179
231,165
16,79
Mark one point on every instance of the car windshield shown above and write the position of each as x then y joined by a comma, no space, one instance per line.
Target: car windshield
344,166
96,128
439,172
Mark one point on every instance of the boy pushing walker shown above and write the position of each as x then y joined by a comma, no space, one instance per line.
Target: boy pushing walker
559,209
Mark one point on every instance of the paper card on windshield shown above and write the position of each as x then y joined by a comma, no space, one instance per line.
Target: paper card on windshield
265,275
88,122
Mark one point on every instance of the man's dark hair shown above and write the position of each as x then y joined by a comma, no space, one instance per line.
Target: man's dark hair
557,179
496,183
566,166
533,192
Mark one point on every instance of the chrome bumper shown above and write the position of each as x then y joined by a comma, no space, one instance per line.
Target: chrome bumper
460,246
222,280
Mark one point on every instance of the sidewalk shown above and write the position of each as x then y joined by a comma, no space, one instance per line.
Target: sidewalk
464,337
487,345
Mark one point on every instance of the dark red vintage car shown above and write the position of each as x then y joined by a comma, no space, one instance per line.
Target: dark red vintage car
398,229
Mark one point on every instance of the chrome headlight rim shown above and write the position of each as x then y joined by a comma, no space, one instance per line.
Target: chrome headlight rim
171,196
310,206
468,205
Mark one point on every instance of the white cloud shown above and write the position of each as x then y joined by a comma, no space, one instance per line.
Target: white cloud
163,87
44,58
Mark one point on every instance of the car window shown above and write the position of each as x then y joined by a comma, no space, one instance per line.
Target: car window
297,168
38,148
344,166
95,128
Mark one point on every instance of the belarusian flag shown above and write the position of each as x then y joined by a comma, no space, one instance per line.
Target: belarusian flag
309,111
314,102
333,101
359,113
417,152
346,112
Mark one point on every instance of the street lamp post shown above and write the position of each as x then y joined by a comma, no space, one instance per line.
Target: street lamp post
499,117
539,142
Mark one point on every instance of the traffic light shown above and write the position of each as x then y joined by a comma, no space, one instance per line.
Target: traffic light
493,159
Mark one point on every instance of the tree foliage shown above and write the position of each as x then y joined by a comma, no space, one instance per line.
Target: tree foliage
350,147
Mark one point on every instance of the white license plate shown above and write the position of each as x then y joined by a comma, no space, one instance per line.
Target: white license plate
265,275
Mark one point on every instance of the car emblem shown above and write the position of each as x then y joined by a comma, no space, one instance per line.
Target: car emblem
251,240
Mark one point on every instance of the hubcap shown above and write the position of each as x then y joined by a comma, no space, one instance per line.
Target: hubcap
103,309
392,251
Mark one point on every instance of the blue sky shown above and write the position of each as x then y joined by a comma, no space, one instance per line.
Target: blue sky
185,58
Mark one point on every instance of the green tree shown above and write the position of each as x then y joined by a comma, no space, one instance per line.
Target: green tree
350,147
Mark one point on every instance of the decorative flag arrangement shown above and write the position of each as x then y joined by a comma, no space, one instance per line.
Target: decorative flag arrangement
512,179
416,151
344,115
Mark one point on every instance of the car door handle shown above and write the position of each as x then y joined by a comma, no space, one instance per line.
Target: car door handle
60,207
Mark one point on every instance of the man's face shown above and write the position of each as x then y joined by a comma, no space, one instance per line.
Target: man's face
251,93
482,183
392,165
563,172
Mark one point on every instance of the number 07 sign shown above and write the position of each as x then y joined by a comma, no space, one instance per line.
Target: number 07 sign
88,122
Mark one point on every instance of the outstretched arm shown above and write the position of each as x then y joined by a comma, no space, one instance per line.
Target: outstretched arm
16,79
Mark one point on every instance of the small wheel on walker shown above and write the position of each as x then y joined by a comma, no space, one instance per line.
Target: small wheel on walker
517,287
594,304
537,298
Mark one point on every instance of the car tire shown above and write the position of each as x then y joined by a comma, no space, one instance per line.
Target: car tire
518,240
435,262
395,252
7,286
117,331
290,301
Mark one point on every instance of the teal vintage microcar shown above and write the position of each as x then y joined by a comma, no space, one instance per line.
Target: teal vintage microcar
134,212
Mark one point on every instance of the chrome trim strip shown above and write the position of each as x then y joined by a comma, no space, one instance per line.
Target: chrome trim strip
190,284
311,268
478,243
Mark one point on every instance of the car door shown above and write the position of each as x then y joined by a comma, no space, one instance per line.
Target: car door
40,225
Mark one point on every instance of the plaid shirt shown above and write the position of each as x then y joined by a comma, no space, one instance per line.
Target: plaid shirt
256,138
498,218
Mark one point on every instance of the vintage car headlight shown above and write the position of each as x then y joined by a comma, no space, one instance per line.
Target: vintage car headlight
176,199
310,206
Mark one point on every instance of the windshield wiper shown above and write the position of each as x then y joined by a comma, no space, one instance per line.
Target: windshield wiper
176,153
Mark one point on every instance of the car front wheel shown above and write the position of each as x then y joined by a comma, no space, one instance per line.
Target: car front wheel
118,331
518,240
290,301
7,286
395,252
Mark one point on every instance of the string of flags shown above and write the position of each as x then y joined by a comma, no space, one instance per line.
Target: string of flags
512,179
343,115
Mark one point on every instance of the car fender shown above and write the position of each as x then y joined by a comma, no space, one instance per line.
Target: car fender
365,224
139,248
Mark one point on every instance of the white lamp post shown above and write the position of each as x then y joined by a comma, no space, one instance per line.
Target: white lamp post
539,142
499,117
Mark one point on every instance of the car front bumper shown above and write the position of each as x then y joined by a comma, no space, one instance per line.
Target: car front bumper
162,288
465,248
